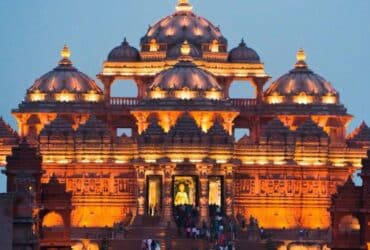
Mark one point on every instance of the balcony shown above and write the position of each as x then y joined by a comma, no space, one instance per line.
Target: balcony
243,103
125,102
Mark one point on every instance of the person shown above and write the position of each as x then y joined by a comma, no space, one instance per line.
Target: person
144,245
153,245
194,232
149,243
181,196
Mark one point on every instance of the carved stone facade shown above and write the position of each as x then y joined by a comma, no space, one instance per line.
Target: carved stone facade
183,127
350,213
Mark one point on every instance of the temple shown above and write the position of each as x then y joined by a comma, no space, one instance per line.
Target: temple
78,177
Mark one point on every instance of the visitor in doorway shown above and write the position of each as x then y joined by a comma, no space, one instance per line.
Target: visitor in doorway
301,234
188,232
194,232
153,245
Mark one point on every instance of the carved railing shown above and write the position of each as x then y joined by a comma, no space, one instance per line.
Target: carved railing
124,101
241,102
133,101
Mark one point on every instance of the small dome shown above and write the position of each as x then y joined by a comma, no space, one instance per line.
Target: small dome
124,53
183,25
302,81
65,78
185,75
243,54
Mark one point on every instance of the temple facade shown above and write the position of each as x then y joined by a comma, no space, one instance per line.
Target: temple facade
182,148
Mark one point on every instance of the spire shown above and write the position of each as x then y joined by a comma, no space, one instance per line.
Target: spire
65,53
242,43
125,42
184,5
301,59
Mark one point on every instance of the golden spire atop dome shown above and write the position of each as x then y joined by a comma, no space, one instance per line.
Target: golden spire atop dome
184,5
301,55
301,59
65,52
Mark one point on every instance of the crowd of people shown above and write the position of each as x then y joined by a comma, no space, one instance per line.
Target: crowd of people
150,244
220,232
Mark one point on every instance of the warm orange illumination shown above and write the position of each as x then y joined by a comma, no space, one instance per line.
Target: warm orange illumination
157,93
52,219
213,94
185,49
65,96
184,5
185,94
275,98
170,31
153,46
329,99
66,52
303,98
301,55
168,119
214,46
198,32
349,224
142,120
92,96
37,96
63,161
91,216
178,160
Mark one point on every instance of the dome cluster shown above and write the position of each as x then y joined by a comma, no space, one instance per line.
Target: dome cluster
64,84
163,41
301,86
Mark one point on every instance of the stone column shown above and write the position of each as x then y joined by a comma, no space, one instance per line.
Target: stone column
203,171
229,189
140,174
107,82
258,83
168,170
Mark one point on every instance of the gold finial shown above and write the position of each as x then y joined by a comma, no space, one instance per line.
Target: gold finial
184,5
66,52
301,59
301,55
185,48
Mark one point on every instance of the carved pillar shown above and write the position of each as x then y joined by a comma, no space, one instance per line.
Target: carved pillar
229,189
228,121
140,174
107,82
226,83
203,171
258,83
142,120
141,86
255,129
168,170
22,123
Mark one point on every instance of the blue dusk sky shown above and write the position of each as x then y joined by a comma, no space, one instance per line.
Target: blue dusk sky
334,33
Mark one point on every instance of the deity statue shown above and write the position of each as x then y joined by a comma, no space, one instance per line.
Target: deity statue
181,196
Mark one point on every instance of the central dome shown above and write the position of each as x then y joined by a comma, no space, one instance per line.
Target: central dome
185,75
182,26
